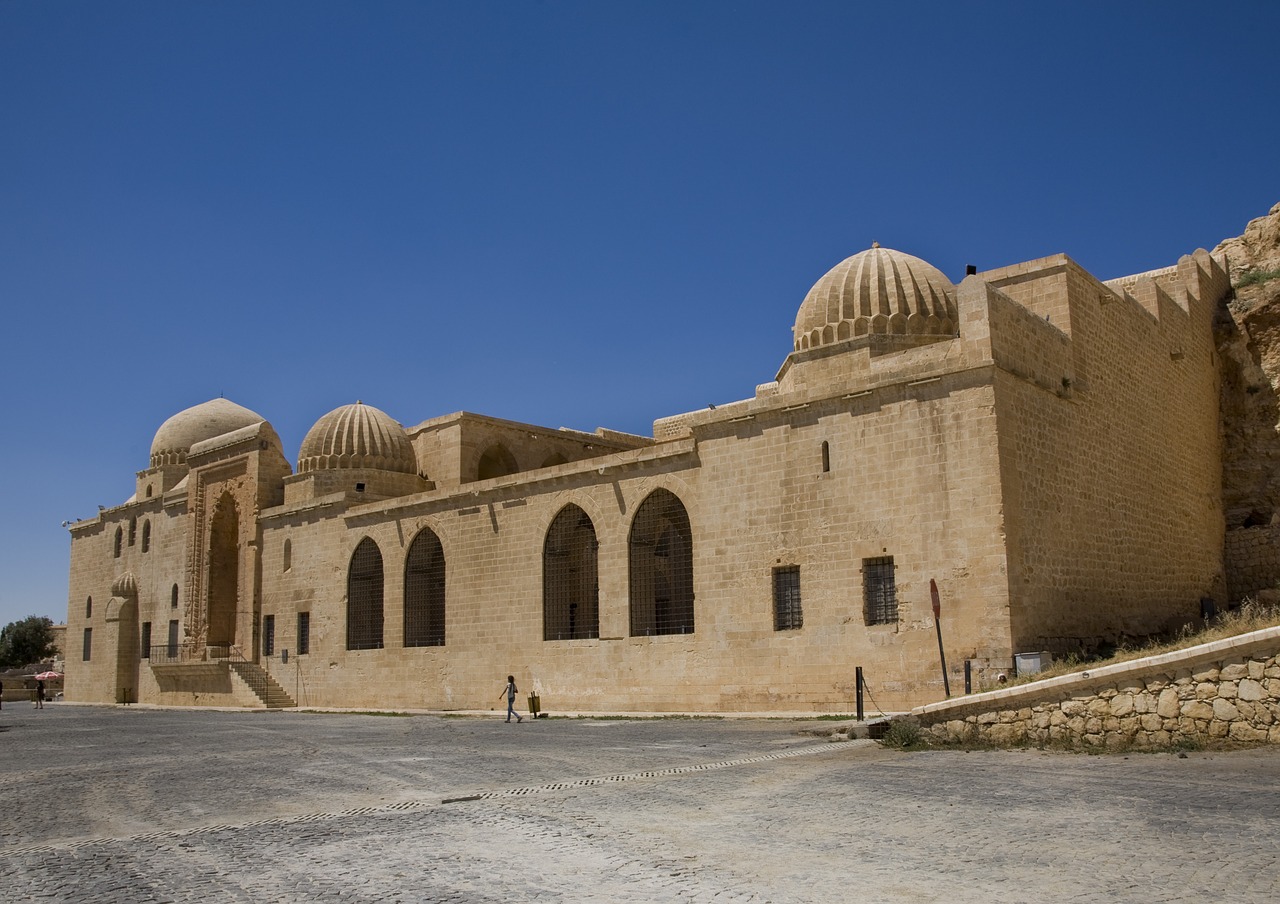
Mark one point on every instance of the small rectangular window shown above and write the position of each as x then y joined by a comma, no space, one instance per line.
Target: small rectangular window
787,615
268,635
304,633
88,644
879,594
173,639
145,652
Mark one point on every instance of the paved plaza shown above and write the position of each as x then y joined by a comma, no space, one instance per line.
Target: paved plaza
135,805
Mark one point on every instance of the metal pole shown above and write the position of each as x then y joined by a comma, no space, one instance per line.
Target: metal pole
937,622
968,676
858,677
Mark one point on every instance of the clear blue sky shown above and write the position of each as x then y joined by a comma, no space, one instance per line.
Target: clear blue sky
572,214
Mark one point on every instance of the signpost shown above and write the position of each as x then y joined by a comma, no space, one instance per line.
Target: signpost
937,621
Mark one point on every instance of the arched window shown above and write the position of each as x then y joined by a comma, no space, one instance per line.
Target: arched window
88,608
364,597
570,584
826,456
133,530
146,536
287,555
661,553
496,462
119,543
173,597
424,592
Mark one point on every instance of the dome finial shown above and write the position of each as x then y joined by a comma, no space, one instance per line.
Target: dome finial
875,244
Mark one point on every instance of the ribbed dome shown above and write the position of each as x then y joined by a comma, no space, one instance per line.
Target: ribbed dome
357,436
213,418
879,291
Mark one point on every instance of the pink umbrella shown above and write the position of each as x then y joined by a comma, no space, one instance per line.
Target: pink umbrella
48,676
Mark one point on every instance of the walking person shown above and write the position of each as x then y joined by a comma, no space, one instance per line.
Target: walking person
510,691
39,695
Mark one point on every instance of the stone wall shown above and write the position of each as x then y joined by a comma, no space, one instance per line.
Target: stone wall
1226,690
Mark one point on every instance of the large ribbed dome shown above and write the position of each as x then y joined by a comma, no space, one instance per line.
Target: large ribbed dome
357,436
213,418
879,291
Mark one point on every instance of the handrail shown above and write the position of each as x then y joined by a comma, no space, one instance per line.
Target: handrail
166,654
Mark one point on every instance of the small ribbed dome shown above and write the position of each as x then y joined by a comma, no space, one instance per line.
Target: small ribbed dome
357,436
879,291
125,585
213,418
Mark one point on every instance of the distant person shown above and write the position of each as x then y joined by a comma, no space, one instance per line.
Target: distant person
510,691
39,695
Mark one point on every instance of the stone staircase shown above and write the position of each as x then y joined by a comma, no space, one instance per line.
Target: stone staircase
263,685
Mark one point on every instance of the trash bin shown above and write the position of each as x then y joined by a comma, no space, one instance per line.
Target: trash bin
535,704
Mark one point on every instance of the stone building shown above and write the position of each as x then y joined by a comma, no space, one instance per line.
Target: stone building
1043,445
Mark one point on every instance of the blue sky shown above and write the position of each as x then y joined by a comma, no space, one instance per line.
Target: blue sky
570,214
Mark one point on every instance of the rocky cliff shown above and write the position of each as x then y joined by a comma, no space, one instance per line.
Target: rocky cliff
1248,341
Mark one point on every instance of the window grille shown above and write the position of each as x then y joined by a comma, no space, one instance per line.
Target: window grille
661,559
880,595
146,640
424,592
88,644
173,639
304,633
268,635
570,577
787,615
364,597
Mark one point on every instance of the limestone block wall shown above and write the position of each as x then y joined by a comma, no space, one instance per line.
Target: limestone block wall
1253,559
1229,689
1096,552
911,473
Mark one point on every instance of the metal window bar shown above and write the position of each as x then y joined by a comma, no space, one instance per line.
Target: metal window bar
787,614
661,560
424,592
364,598
268,635
570,578
145,646
304,633
880,595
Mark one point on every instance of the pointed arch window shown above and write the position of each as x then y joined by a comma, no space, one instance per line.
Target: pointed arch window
661,573
364,597
570,577
119,542
424,592
146,536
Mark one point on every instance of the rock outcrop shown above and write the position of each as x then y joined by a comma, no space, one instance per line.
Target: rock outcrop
1248,341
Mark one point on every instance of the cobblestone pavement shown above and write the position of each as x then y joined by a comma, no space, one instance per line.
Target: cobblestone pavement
135,805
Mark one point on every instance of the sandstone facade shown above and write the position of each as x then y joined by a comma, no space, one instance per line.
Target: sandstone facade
1005,437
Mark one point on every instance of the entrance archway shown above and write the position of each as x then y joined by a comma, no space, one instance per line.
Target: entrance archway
224,572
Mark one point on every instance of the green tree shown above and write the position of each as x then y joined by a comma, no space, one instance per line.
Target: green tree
26,641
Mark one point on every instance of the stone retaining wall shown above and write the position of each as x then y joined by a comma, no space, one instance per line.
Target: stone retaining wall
1228,689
